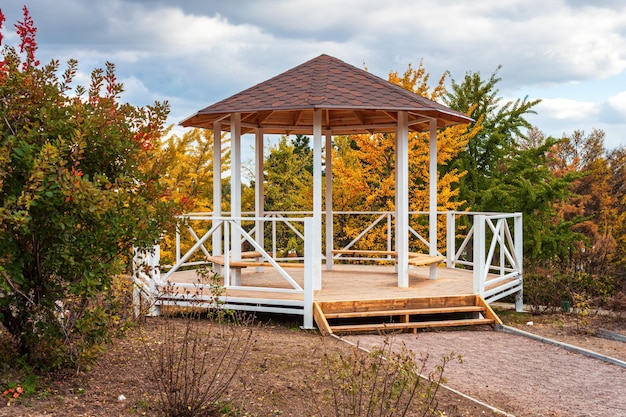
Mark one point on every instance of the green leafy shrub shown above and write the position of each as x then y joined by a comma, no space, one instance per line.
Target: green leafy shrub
76,194
547,291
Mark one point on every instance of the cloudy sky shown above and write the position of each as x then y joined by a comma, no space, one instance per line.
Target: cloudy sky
569,53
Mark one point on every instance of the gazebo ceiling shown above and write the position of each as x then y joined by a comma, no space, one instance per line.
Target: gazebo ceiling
352,101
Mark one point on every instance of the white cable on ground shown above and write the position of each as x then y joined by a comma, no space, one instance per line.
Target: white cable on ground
475,400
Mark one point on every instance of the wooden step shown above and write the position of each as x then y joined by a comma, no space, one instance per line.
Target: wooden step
353,328
408,314
405,312
397,303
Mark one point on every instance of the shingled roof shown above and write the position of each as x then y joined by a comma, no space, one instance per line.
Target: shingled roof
352,101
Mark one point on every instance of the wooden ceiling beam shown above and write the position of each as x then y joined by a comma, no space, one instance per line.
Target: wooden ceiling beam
262,116
392,116
296,117
418,121
360,116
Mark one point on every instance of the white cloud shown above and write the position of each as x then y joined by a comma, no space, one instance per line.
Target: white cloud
195,52
618,104
568,109
135,91
536,41
171,31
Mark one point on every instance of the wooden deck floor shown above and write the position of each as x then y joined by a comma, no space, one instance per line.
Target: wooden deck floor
351,282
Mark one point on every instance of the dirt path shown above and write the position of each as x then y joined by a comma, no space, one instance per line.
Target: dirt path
519,375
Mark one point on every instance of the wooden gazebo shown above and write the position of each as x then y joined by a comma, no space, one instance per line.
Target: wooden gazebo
325,97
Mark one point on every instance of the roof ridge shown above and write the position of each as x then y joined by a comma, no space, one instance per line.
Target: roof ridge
319,80
325,82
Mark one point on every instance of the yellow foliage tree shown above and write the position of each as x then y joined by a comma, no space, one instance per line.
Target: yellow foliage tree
364,168
188,162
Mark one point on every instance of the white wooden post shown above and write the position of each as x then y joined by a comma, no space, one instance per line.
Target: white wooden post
432,209
451,238
235,191
402,199
503,225
136,299
316,235
217,191
394,216
479,254
155,310
259,196
308,272
274,248
177,241
227,273
329,202
390,233
519,259
155,263
154,259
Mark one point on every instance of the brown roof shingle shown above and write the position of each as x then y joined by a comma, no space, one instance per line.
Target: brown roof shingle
352,100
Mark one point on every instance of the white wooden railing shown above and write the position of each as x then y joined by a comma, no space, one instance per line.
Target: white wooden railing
146,277
492,248
154,285
491,245
488,244
384,221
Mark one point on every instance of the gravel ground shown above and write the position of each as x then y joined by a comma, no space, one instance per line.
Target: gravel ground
521,376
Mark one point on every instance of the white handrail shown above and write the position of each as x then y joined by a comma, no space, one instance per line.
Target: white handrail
509,266
489,244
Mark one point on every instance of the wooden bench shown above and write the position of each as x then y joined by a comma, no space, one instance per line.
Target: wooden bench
391,253
250,255
219,260
415,259
420,259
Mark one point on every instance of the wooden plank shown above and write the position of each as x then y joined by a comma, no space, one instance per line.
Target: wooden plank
219,260
244,264
411,325
321,321
267,264
251,255
365,252
489,313
407,319
408,312
397,303
415,258
421,259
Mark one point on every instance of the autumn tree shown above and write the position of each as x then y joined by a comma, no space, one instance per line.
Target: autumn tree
364,165
187,165
187,162
525,183
617,163
595,202
76,197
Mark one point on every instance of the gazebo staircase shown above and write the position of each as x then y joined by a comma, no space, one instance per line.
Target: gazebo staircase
402,314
